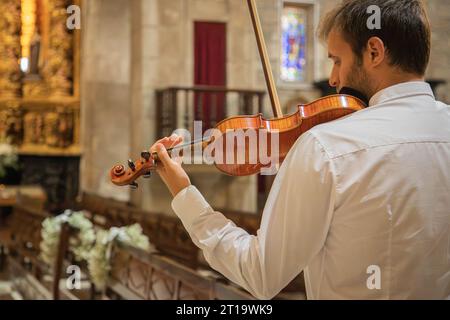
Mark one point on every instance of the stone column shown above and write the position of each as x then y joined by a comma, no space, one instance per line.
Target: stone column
105,99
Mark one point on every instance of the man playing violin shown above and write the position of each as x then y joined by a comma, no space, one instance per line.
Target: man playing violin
360,204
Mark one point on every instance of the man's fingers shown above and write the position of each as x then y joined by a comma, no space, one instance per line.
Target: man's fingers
161,146
168,142
176,154
163,155
162,141
176,141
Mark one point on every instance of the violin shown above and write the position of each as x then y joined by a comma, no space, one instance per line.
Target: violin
287,128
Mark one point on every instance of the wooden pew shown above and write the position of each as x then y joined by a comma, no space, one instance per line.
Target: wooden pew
139,275
30,276
25,236
25,268
105,212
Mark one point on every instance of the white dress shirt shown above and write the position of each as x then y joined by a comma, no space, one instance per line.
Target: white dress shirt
361,204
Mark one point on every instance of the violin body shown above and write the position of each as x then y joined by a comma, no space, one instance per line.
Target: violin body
288,129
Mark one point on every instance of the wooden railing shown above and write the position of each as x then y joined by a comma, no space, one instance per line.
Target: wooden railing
136,274
178,107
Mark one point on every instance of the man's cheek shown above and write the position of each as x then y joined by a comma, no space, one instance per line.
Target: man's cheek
344,77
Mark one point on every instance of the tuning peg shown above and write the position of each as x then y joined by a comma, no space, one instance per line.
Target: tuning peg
134,185
147,175
145,154
131,164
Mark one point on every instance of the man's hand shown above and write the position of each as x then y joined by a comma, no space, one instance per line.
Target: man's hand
169,169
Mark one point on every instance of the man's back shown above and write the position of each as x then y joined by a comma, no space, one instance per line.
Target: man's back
392,208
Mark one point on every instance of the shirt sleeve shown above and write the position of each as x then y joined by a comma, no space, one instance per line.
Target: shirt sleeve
294,225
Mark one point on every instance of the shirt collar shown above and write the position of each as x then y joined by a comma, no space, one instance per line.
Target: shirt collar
405,89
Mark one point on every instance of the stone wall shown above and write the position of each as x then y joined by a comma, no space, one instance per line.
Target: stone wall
439,67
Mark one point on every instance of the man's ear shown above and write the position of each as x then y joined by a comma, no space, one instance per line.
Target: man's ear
376,51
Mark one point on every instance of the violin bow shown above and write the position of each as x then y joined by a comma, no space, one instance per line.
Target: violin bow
275,101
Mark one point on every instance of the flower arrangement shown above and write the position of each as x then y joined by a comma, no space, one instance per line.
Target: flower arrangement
8,158
99,260
80,245
89,245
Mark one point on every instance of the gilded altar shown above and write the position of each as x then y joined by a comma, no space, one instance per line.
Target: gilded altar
39,77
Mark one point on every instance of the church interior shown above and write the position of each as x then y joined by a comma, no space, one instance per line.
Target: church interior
86,85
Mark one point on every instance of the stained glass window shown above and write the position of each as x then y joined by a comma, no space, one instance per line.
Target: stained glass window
293,43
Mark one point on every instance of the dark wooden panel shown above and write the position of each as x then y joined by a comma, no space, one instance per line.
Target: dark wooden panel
59,176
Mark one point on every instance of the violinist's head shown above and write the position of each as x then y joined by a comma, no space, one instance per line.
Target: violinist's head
368,56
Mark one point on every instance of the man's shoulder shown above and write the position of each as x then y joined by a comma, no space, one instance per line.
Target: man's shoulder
342,136
444,106
381,125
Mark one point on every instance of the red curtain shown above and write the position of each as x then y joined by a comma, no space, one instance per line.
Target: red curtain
210,69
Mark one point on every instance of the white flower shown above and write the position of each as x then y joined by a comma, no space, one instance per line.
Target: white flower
6,149
99,260
8,158
94,247
80,245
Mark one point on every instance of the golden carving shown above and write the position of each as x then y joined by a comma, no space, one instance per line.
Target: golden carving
10,49
46,119
58,69
3,117
57,72
65,127
12,126
35,88
40,128
33,128
51,127
58,128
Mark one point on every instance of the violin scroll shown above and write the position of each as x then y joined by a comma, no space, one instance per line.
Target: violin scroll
121,176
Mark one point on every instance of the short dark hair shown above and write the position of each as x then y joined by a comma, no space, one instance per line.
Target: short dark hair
405,30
